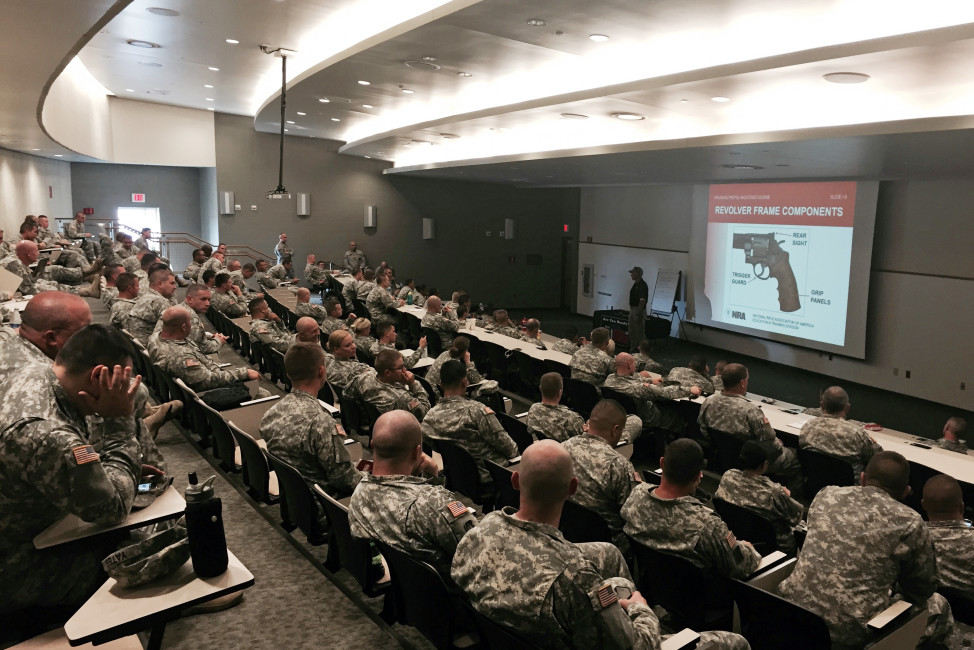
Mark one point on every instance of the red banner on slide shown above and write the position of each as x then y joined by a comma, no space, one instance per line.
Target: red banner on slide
793,204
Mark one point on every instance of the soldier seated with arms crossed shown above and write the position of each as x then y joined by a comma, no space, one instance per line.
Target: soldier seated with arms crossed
517,569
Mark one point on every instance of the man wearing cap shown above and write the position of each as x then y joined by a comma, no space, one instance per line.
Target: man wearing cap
638,297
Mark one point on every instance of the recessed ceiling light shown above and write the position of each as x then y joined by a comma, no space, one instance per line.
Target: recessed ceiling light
429,59
300,113
846,77
150,64
162,11
720,99
143,44
130,90
573,116
367,106
213,68
207,85
286,130
537,22
233,41
464,74
745,167
210,108
335,119
366,156
598,38
59,155
684,101
290,121
628,116
209,99
35,149
426,66
362,82
324,100
407,91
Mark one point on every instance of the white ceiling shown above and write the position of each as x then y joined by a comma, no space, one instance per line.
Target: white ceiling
664,60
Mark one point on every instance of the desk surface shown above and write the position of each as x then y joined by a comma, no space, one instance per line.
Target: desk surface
115,611
168,505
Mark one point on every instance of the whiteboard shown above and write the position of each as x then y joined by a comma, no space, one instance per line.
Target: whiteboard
664,295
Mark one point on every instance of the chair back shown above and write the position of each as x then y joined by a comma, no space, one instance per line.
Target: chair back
297,503
582,396
428,387
919,475
626,401
506,494
460,468
420,596
727,449
260,481
344,551
434,344
495,636
529,370
224,446
961,604
694,598
275,361
580,524
822,469
516,429
769,622
748,525
258,354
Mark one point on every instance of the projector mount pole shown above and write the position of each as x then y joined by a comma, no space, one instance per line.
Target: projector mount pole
280,167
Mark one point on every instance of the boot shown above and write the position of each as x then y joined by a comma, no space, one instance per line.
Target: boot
161,414
95,267
91,291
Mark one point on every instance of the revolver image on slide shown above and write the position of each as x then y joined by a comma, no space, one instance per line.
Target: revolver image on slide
768,260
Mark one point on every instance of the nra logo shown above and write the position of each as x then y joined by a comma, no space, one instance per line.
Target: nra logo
739,315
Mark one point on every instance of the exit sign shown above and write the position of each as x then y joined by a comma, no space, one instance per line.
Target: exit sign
138,198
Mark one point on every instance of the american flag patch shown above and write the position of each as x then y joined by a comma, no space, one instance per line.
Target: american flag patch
457,509
85,454
607,595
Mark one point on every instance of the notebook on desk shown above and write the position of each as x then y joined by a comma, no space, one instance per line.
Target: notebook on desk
9,282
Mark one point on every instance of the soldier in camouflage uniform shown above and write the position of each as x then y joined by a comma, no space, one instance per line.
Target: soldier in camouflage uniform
716,380
344,370
749,488
215,263
282,249
832,434
467,422
953,536
380,300
386,332
299,430
365,287
393,387
317,276
592,363
861,543
182,359
148,308
227,299
266,327
305,307
76,230
5,248
460,350
571,343
518,570
49,468
360,329
354,258
399,506
953,435
605,478
695,374
25,254
550,418
350,287
730,412
196,304
109,293
334,321
265,281
502,325
128,293
192,272
646,393
48,321
442,320
281,272
646,362
671,520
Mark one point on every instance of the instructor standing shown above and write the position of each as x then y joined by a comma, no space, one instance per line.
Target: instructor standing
638,297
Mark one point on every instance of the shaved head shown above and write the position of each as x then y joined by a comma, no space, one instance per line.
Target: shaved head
51,318
26,249
396,435
434,304
835,400
545,475
942,498
304,295
889,471
607,420
174,319
625,363
307,330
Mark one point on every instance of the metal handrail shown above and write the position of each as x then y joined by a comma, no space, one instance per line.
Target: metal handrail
233,250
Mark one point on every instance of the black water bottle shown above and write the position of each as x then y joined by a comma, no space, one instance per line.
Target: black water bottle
204,527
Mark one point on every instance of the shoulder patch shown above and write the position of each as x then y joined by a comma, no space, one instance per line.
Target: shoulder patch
731,540
192,362
339,429
456,508
488,410
413,404
607,595
85,454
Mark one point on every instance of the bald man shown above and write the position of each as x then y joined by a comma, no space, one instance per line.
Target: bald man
953,536
181,358
954,432
354,258
646,392
47,322
832,434
441,319
306,308
307,330
518,569
400,505
25,254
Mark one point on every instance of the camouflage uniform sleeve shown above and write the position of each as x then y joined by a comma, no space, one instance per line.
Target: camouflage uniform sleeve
918,566
760,427
473,375
200,377
328,447
493,433
208,345
786,507
575,425
444,526
869,448
730,557
417,402
97,486
587,606
667,392
621,480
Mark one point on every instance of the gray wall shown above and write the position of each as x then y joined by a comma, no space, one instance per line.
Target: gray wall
174,190
460,257
921,301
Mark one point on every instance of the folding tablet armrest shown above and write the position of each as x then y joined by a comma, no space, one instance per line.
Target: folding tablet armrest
685,639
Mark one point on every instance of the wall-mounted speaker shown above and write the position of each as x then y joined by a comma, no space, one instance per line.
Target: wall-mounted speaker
226,203
508,228
370,216
429,231
304,204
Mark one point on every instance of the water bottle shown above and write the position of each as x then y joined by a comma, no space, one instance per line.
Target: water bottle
15,319
409,298
204,527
